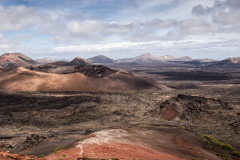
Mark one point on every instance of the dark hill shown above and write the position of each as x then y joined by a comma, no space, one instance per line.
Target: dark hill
227,62
100,59
79,61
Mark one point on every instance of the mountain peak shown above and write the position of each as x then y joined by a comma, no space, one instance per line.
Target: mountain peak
16,59
167,57
185,58
100,59
147,55
80,61
77,58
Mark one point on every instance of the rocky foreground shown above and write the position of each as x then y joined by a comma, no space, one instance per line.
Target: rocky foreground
143,115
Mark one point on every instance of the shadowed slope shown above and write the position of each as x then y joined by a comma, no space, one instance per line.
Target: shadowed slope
100,59
21,79
227,62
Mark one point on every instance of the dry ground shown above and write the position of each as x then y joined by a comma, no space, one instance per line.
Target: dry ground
39,112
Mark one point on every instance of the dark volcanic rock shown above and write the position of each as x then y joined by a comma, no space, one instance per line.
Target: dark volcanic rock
34,140
235,126
59,63
97,71
5,146
197,63
184,106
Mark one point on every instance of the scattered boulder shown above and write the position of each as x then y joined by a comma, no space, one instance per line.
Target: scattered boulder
34,140
184,106
6,146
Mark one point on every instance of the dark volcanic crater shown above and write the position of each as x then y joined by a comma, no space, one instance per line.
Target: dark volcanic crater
96,71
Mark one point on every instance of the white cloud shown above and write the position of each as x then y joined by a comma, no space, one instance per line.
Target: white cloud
227,16
19,17
158,23
93,30
153,45
154,24
225,12
11,44
1,35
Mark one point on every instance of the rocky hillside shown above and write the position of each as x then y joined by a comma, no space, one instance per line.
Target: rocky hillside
10,60
79,61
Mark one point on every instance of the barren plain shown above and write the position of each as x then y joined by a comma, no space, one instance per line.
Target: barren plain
204,101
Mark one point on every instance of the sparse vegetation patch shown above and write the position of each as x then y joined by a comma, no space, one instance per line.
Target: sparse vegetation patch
56,150
235,153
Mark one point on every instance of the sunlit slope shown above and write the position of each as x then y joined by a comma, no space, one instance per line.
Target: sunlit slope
21,79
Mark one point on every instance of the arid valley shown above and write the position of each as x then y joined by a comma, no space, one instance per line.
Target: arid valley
121,110
120,80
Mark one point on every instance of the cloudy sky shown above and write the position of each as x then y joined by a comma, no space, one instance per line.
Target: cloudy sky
60,29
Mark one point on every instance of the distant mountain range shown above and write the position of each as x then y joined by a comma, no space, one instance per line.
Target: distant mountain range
148,57
10,60
48,60
144,58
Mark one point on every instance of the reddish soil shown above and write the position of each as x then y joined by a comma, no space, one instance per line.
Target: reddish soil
116,150
169,144
17,59
8,156
169,113
139,143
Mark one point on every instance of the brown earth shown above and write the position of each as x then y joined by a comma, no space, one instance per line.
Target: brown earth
21,79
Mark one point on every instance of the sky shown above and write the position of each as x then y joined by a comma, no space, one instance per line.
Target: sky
64,29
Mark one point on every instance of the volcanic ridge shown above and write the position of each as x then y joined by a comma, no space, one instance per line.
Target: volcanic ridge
10,60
